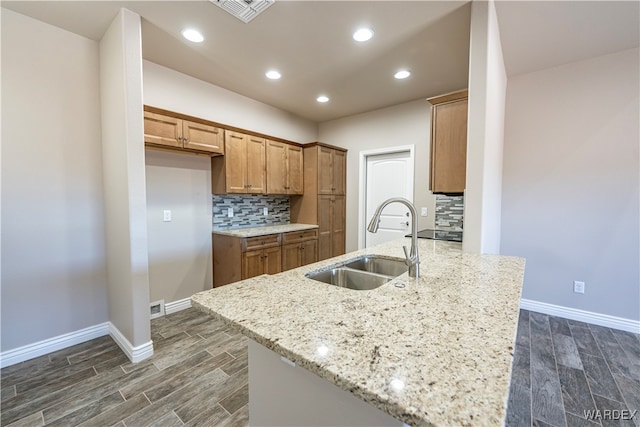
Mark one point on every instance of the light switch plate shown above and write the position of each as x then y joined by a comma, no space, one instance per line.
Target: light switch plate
265,211
166,215
230,212
423,212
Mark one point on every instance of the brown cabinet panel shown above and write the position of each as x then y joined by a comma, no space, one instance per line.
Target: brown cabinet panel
234,162
449,143
298,236
252,264
339,172
325,211
203,137
255,167
162,130
284,168
290,256
242,169
276,168
308,252
338,227
325,170
261,242
295,168
272,260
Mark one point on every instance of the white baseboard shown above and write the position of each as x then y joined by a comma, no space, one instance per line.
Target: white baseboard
17,355
582,315
175,306
135,354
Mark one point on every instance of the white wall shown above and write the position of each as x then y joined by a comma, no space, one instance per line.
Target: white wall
485,132
571,183
53,240
403,124
180,250
124,181
174,91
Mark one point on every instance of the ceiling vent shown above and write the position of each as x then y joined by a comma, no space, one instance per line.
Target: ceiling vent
244,10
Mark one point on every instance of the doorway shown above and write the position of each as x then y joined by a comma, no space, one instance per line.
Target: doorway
385,173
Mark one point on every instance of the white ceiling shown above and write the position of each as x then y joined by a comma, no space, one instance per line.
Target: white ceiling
310,43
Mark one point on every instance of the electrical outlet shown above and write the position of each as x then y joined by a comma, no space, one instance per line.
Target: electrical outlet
167,216
265,211
230,212
423,212
578,287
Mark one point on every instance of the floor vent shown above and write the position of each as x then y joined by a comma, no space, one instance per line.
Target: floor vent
244,10
156,309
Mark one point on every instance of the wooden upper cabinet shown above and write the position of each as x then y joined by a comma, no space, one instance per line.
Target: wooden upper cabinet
284,168
242,169
164,130
256,162
199,136
449,142
331,171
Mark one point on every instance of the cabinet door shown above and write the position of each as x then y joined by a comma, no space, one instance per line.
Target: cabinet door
276,168
295,170
162,130
449,147
291,256
338,231
325,214
272,260
339,168
308,252
255,165
235,162
252,264
325,170
198,136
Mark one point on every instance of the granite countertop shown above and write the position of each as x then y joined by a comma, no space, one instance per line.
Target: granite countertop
437,351
263,230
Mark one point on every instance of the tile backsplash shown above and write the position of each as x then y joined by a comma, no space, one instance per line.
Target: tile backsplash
248,210
449,211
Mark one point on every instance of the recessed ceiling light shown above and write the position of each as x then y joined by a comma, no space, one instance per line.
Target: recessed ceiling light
192,35
402,74
363,34
273,75
322,98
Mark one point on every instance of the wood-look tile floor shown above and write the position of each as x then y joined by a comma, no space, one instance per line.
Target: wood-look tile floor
198,375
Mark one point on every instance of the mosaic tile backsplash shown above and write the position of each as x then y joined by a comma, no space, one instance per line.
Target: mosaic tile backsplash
449,211
248,211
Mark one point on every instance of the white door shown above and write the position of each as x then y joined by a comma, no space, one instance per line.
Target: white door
386,176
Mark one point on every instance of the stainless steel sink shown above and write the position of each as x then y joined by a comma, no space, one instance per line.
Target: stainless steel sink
393,267
349,278
363,273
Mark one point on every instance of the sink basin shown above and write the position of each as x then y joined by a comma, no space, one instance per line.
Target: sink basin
350,278
363,273
388,266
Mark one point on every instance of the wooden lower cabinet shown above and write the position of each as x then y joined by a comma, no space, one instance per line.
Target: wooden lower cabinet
299,248
265,261
237,258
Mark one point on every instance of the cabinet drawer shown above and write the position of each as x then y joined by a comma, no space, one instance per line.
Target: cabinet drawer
259,242
299,236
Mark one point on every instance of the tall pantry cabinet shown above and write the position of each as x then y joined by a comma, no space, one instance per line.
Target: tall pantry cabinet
323,201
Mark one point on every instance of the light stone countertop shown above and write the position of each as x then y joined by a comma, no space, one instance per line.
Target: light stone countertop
263,230
448,337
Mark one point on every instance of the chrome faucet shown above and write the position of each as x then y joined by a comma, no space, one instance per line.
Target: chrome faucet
412,259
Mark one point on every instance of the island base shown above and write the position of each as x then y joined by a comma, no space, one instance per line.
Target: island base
282,394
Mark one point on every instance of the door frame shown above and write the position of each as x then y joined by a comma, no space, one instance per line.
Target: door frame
362,182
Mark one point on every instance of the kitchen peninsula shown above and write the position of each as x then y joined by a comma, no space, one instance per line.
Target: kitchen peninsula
436,350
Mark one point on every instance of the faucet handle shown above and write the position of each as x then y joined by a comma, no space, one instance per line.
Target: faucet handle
406,254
